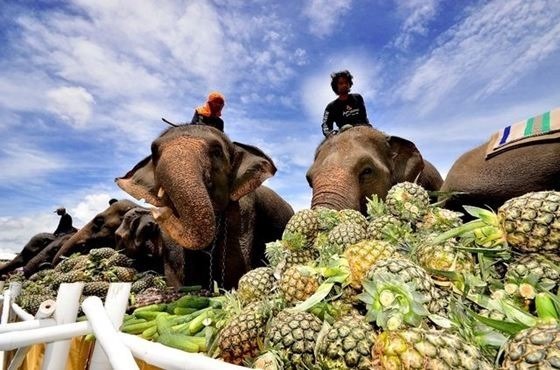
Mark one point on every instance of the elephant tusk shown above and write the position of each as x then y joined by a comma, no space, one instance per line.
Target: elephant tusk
161,193
161,213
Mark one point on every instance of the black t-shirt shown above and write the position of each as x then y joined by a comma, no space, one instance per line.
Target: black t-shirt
351,111
64,225
216,122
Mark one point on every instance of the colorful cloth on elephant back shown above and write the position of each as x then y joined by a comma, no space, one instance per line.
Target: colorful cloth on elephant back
545,127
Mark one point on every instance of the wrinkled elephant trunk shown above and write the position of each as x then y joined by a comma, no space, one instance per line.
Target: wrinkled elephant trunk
192,222
335,189
78,239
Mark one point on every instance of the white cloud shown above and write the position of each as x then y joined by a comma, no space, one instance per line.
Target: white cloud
495,46
16,232
324,15
417,14
72,104
21,162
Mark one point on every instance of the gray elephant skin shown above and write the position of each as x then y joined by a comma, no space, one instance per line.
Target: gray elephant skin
489,183
209,200
34,246
97,233
362,161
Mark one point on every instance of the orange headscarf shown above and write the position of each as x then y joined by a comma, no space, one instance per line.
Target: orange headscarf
204,110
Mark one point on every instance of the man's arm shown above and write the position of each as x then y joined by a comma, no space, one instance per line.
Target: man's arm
327,124
196,119
363,108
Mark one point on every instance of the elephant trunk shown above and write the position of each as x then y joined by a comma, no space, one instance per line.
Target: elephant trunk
76,240
191,222
335,189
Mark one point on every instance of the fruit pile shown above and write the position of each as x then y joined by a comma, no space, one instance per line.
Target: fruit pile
407,287
97,270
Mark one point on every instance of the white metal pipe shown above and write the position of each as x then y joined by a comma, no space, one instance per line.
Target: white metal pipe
6,307
170,358
46,309
13,340
27,325
21,313
116,303
67,305
119,355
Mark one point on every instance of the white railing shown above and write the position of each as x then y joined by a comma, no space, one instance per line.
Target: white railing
55,324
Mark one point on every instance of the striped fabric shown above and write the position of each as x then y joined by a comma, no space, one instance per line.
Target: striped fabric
543,127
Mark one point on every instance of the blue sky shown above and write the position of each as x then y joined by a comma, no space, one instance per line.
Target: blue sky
83,84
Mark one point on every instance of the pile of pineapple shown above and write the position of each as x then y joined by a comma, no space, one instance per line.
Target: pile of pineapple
407,287
97,270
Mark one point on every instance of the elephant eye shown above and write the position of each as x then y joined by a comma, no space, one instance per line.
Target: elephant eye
368,171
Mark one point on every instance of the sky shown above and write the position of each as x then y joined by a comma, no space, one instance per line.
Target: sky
84,84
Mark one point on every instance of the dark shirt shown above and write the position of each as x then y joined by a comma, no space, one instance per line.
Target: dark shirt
216,122
64,225
351,111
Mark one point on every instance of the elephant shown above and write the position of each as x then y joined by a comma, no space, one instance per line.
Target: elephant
34,246
43,259
361,161
476,181
209,200
97,233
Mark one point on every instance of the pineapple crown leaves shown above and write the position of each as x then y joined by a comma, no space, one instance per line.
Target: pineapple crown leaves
294,240
375,207
392,303
269,360
275,252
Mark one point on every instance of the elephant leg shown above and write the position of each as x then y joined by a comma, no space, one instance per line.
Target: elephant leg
173,263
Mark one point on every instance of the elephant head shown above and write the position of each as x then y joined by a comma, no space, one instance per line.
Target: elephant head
99,232
359,162
138,233
192,175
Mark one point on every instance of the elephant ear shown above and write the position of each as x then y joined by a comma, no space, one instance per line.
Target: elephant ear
140,182
251,167
407,160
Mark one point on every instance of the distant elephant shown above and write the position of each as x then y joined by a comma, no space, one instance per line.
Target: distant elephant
489,183
98,233
44,258
361,161
210,202
35,245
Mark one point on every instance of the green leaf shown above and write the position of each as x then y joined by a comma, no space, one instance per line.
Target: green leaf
510,328
321,293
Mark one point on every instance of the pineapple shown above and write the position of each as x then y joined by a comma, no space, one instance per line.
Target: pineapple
443,257
407,201
294,335
31,302
256,284
101,253
352,216
422,349
439,220
529,223
363,255
544,269
298,283
240,338
298,257
328,218
74,262
301,229
96,288
388,227
123,274
375,207
346,345
534,348
117,259
346,233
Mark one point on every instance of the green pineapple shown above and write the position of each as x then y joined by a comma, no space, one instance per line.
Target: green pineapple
529,223
298,283
256,284
363,255
407,201
240,338
443,257
542,269
425,349
346,345
376,207
31,302
345,234
101,253
298,257
352,216
74,262
122,274
534,348
388,227
328,218
117,259
294,336
301,229
439,220
96,288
